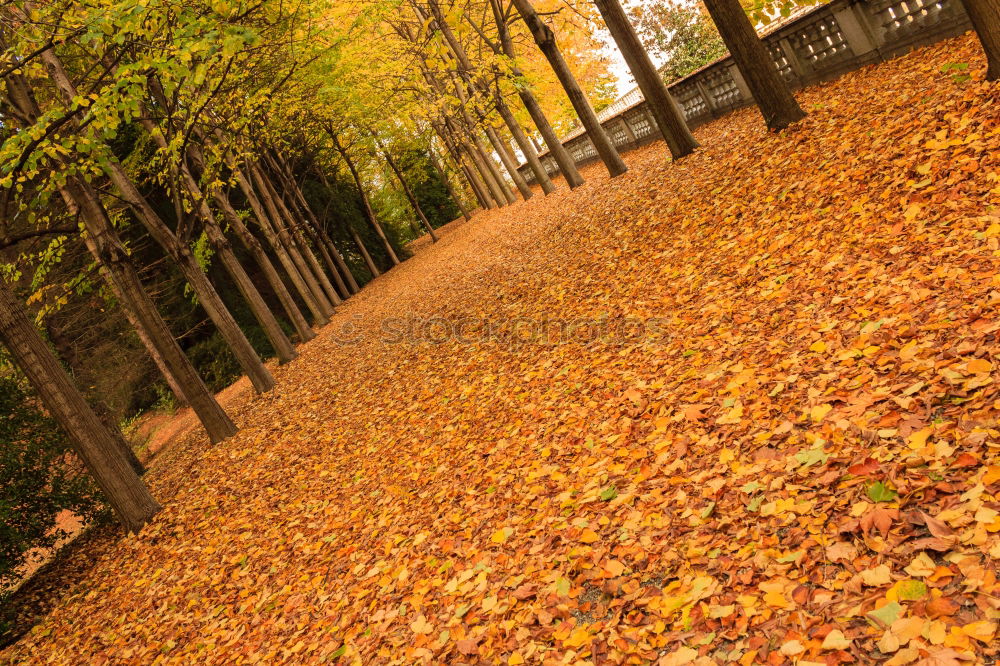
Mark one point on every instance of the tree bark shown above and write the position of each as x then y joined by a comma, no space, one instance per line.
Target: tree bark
122,487
661,103
985,17
409,194
447,183
369,213
530,154
769,90
263,212
508,162
546,41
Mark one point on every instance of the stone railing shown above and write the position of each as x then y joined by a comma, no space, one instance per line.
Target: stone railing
813,45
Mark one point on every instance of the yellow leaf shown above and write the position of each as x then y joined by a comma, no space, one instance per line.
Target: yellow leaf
515,659
921,566
978,365
877,576
835,640
589,536
918,440
501,535
819,412
818,346
982,631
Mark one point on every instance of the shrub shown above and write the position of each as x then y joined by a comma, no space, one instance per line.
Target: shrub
39,478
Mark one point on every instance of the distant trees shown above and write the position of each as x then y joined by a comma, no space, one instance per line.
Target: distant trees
681,35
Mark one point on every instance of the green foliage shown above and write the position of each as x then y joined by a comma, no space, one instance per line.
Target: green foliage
39,478
681,34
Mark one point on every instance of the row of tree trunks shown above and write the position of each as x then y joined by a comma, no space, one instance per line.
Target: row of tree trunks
436,163
362,250
546,41
335,261
177,250
562,157
123,280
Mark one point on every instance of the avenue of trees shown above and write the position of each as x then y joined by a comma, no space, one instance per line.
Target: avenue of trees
204,183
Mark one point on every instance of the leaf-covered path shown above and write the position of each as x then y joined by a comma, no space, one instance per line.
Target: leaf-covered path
766,435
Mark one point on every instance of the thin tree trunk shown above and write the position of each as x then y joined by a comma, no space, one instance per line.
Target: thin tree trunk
558,151
546,41
369,213
668,116
985,17
122,487
263,211
369,262
530,155
409,193
447,184
338,267
769,90
277,214
504,191
508,162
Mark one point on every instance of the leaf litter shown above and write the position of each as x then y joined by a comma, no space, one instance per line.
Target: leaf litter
797,464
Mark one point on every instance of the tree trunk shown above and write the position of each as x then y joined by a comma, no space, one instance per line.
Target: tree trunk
335,262
96,446
501,192
277,214
546,41
369,262
447,184
409,194
668,116
369,213
530,154
508,162
769,90
985,17
263,212
104,245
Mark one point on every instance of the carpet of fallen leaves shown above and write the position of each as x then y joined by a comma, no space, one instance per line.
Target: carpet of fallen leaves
795,460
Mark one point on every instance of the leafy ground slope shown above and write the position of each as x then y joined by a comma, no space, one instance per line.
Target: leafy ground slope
794,458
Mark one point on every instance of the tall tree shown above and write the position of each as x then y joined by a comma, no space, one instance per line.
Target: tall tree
769,90
660,102
546,41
